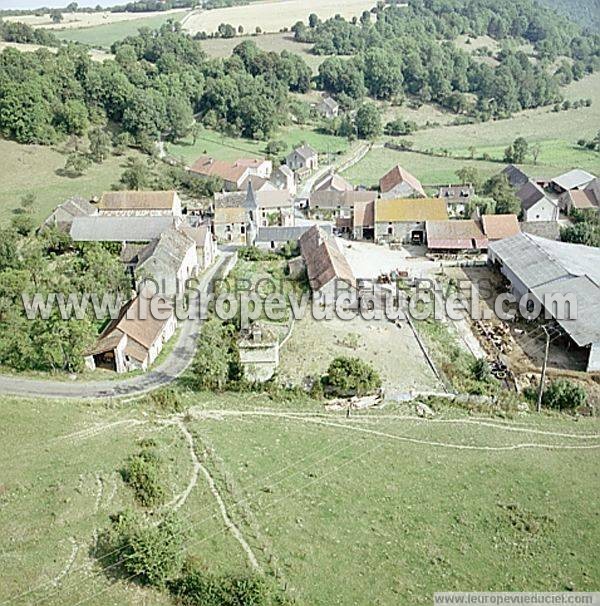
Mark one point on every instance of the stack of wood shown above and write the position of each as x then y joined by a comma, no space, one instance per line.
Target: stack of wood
497,334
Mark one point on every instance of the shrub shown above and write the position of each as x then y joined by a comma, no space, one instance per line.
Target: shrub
166,399
196,588
351,376
217,360
143,473
151,552
564,394
480,370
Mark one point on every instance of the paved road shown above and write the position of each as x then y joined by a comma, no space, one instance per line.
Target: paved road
169,370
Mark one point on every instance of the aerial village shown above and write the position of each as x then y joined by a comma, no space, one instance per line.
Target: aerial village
402,232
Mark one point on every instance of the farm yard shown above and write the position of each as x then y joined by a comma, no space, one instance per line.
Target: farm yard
273,15
380,508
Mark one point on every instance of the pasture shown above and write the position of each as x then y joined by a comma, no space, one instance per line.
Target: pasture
90,20
96,55
229,148
379,508
36,169
273,15
105,34
556,133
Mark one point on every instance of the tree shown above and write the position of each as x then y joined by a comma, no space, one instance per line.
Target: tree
516,153
56,16
99,145
368,121
180,118
348,376
226,30
137,175
498,188
22,224
535,149
313,20
76,164
469,174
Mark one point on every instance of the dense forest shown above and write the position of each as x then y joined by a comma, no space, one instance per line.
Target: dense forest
160,80
584,12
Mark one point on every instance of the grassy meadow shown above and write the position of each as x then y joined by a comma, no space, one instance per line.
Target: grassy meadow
556,133
230,148
104,35
381,508
37,169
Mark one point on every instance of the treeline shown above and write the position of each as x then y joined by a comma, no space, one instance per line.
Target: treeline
584,12
25,34
410,50
157,83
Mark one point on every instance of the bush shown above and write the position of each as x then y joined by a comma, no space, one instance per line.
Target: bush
196,588
217,360
143,473
563,394
151,552
253,253
349,376
480,370
166,399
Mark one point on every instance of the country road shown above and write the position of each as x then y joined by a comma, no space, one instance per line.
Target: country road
169,370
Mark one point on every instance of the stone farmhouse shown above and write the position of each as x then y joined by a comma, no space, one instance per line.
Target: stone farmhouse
328,108
536,205
63,215
303,158
399,183
134,340
234,174
139,204
403,220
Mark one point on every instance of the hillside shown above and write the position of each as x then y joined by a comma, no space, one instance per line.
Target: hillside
584,12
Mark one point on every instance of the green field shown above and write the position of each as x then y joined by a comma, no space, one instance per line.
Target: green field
381,508
102,36
229,148
556,132
33,169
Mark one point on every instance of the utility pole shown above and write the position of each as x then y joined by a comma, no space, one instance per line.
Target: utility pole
545,364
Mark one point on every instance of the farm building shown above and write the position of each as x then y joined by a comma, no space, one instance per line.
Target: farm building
363,220
272,207
303,158
206,247
473,234
457,197
134,340
581,199
332,182
63,215
515,176
536,205
498,227
233,174
326,267
170,262
399,183
544,268
455,235
283,178
328,108
274,238
139,204
404,220
335,204
101,228
230,225
573,179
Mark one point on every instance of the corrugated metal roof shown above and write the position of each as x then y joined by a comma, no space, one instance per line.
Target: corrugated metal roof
410,210
285,234
545,266
573,179
119,229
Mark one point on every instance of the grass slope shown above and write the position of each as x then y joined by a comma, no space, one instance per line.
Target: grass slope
556,133
104,35
33,169
379,508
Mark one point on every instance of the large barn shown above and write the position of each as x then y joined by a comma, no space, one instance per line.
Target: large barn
541,267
